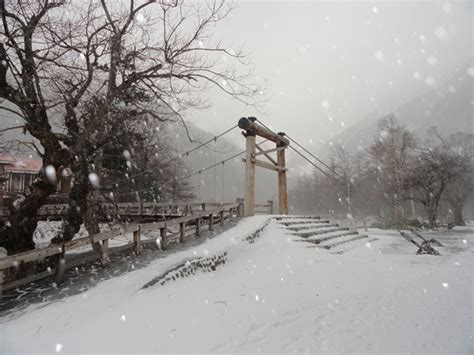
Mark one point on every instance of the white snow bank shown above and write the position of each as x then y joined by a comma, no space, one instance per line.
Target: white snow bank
274,295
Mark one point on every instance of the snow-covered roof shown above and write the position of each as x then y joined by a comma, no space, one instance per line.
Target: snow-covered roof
20,165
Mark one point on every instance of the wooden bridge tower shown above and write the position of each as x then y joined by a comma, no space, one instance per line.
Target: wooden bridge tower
253,129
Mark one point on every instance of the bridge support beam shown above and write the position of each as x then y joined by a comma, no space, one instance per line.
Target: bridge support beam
249,197
282,185
253,129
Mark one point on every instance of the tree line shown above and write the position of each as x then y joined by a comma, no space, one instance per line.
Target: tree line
399,179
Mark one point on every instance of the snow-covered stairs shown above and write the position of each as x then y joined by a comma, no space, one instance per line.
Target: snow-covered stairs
322,233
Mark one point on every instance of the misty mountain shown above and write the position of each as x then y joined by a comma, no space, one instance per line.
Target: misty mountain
447,107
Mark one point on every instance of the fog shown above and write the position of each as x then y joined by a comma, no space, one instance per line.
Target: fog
329,65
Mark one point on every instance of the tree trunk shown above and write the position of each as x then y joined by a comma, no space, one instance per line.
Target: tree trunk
399,213
77,204
457,207
91,218
17,235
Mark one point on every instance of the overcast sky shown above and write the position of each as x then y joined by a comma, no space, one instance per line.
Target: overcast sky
329,64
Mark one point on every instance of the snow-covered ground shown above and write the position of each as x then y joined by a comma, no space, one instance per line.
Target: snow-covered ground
273,295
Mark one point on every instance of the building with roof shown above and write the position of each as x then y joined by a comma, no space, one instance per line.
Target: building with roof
17,174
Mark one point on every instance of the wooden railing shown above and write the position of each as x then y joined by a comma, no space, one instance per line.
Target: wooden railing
266,208
59,252
127,209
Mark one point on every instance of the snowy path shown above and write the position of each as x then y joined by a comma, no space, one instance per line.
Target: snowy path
274,295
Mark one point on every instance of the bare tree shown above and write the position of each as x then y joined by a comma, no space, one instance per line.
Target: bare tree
347,168
458,191
72,69
391,152
436,168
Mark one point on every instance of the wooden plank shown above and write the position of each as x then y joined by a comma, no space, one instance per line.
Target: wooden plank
27,256
261,151
249,124
265,152
269,166
76,243
112,234
26,280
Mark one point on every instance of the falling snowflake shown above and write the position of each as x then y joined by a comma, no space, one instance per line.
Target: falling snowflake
123,318
50,172
447,7
441,33
432,60
94,180
430,81
59,347
445,285
379,55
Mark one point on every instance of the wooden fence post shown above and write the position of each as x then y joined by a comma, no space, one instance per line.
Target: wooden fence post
198,227
163,237
203,206
104,257
211,222
240,208
270,206
61,266
182,232
221,214
136,241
